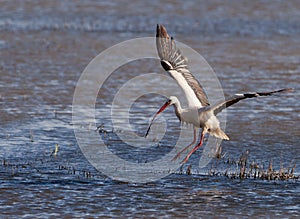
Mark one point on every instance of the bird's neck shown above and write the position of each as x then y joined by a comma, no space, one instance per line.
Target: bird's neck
178,110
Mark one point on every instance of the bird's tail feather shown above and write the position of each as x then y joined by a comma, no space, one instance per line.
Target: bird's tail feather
218,133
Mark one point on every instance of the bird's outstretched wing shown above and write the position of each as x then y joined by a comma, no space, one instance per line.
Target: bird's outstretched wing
237,97
176,65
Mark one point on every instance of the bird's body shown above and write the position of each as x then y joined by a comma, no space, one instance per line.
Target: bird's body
199,112
202,117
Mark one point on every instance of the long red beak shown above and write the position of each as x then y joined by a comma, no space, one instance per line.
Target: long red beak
158,112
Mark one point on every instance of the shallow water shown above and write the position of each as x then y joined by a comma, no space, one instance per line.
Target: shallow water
45,46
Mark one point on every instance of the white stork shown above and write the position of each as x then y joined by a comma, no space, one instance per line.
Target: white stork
199,112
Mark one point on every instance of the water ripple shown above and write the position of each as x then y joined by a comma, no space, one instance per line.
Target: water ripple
141,24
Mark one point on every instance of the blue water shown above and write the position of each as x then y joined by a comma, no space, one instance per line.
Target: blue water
44,48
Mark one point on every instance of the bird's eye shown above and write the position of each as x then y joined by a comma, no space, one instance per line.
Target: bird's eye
208,130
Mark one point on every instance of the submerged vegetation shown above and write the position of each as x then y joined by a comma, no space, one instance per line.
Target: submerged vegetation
244,168
52,166
56,163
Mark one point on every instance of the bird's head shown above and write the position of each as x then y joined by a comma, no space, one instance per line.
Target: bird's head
172,100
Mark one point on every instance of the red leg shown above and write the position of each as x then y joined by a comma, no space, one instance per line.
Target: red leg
193,142
195,148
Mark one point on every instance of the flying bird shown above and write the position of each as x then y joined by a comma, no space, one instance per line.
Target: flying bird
199,112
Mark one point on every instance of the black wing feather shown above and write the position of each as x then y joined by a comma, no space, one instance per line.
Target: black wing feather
237,97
